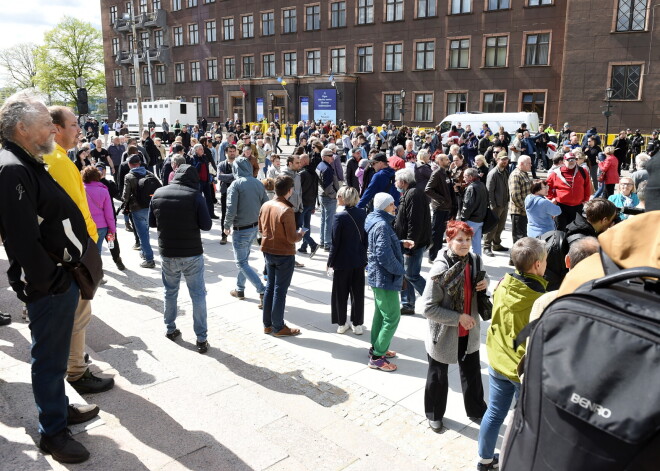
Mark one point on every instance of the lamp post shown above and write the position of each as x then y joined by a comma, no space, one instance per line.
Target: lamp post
136,68
272,107
609,93
144,47
402,109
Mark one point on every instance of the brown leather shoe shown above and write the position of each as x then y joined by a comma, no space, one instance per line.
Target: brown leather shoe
287,331
268,330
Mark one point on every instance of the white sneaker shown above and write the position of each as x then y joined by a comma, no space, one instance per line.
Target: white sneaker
343,328
357,329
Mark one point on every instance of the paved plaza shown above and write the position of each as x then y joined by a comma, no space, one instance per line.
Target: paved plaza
253,402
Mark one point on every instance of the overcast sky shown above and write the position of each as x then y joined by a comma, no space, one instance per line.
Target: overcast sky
28,20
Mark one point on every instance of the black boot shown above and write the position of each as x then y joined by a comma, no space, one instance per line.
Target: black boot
63,447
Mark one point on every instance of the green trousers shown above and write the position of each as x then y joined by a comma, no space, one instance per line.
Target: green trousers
387,314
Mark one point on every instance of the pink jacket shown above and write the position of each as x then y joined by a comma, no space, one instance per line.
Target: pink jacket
100,205
610,169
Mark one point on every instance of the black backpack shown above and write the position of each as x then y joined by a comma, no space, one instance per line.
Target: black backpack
590,398
146,187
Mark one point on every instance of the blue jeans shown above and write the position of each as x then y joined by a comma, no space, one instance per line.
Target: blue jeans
306,221
413,265
502,391
241,242
280,272
476,238
328,210
192,268
51,324
102,232
141,223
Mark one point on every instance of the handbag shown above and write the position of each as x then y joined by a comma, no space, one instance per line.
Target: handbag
88,271
490,221
484,304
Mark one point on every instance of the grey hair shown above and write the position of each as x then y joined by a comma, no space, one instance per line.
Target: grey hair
20,107
524,158
527,251
398,148
641,160
581,249
197,146
179,160
472,173
405,175
350,196
423,155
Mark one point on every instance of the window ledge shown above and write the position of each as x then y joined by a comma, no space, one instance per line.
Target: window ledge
365,24
632,31
424,70
498,10
364,72
490,67
539,6
457,68
391,71
461,14
424,17
534,66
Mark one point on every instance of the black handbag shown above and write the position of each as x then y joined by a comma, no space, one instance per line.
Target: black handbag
490,221
88,271
484,304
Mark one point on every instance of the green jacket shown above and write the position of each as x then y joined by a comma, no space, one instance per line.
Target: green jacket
512,303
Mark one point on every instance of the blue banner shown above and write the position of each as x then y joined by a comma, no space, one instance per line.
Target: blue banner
325,105
304,108
260,109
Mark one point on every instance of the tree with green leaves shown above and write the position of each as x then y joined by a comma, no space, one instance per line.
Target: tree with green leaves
20,63
71,49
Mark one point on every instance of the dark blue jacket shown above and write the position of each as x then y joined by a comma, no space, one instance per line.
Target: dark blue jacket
349,240
382,181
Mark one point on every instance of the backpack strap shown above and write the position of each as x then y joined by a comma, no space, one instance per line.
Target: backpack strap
525,333
609,267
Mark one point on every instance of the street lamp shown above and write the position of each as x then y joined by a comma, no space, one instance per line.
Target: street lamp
136,68
609,93
402,109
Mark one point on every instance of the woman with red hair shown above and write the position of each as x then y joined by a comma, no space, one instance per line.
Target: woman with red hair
454,326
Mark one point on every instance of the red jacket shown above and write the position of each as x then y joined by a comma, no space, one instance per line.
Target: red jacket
610,169
569,194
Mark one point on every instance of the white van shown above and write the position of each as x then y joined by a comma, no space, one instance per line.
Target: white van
171,110
510,121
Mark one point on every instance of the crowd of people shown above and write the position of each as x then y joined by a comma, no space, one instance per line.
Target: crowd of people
405,194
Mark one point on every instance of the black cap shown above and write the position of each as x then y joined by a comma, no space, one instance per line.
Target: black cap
379,157
177,148
134,159
100,167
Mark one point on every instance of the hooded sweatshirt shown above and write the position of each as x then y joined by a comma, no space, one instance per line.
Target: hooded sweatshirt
540,211
245,196
382,181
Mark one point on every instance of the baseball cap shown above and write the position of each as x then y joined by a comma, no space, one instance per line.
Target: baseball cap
100,166
379,157
570,156
326,152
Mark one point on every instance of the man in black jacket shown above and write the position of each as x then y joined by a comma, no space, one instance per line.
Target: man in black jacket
475,205
309,187
179,212
439,189
413,222
39,221
225,177
351,168
153,154
497,184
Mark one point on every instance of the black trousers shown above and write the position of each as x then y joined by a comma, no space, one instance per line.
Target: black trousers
518,226
347,283
609,189
437,385
439,220
567,216
223,208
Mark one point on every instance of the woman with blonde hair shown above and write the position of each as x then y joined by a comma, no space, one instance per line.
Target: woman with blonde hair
423,169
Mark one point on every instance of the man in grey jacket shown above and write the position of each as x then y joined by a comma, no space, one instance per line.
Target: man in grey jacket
497,184
245,196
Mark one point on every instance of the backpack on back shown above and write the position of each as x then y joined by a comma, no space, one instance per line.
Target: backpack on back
590,398
146,187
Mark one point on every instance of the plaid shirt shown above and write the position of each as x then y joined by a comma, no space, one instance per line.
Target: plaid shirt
520,185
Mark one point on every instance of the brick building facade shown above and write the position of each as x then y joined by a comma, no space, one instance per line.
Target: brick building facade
248,57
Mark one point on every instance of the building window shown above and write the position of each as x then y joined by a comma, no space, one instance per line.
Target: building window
193,34
230,68
197,100
268,65
498,5
338,61
423,107
158,38
211,36
427,8
394,10
290,63
424,55
113,14
176,5
456,102
177,35
537,48
146,78
365,12
312,18
248,66
209,1
289,24
214,106
314,62
625,81
115,46
179,72
537,3
144,38
129,8
195,73
496,51
247,26
459,53
156,5
493,102
533,102
393,57
160,74
268,23
131,76
192,3
129,42
118,80
143,6
365,56
461,6
631,15
212,69
227,29
338,14
392,107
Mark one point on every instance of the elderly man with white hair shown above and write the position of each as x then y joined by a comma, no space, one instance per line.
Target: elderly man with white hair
641,174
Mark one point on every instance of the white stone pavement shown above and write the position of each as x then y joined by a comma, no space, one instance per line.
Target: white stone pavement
253,401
